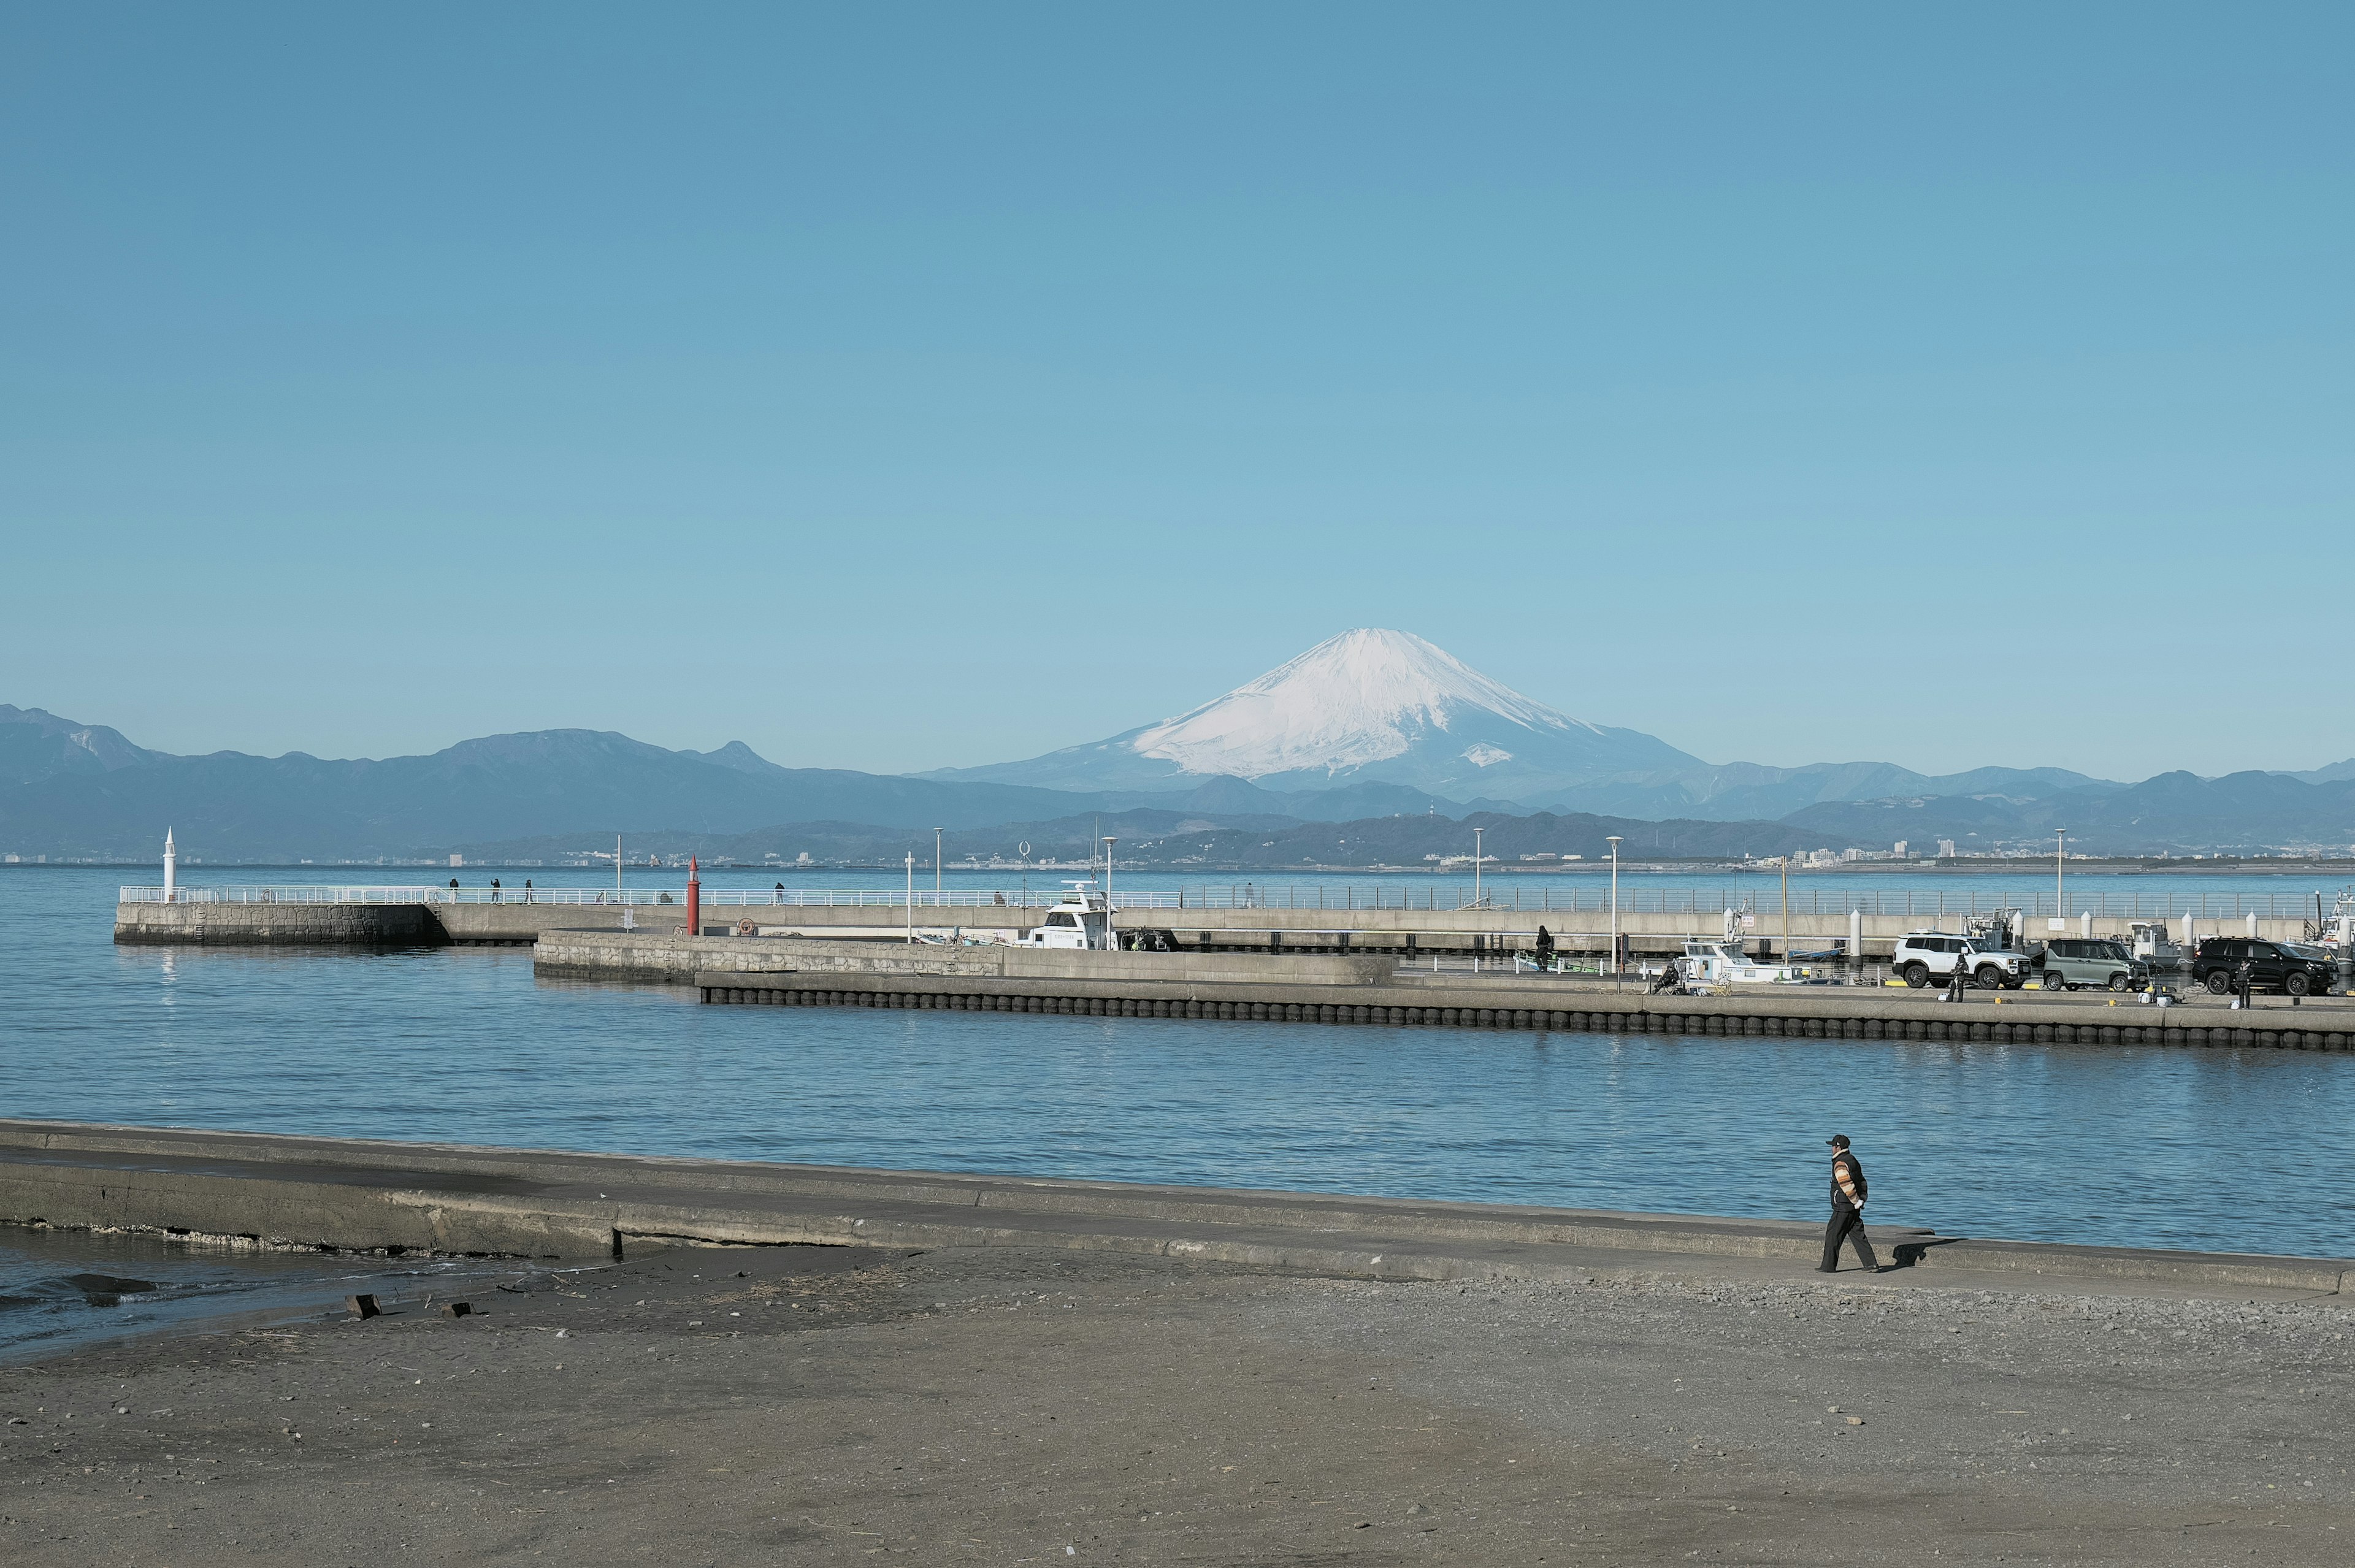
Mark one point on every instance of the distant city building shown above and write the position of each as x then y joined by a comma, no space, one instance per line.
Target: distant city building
1899,851
457,859
1946,849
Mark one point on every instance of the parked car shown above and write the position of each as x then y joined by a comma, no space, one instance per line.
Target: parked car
2068,962
1926,955
2291,968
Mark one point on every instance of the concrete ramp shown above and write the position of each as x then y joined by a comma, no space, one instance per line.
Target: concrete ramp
272,1190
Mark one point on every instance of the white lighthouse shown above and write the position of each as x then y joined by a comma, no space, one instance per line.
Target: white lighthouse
171,868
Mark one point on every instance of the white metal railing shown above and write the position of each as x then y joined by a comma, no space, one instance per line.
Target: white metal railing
1531,897
313,895
714,898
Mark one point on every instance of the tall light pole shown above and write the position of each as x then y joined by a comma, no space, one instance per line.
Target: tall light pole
1476,866
912,898
1111,939
1786,906
1614,904
936,866
2060,841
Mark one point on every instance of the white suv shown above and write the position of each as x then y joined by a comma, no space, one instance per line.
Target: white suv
1926,956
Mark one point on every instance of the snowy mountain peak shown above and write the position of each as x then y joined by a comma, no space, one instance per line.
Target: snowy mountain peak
1368,706
1351,700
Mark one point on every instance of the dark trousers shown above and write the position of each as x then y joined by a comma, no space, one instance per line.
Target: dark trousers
1846,1223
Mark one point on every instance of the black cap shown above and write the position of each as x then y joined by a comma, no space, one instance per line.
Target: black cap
1838,1140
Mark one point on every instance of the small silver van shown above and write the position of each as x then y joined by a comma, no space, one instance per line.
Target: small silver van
2100,963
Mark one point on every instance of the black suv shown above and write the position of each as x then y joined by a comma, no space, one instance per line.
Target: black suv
2287,967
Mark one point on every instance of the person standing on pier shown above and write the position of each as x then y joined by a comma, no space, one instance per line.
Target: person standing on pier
1545,948
1961,976
494,889
1847,1209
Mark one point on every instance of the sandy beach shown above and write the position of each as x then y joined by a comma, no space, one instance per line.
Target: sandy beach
799,1404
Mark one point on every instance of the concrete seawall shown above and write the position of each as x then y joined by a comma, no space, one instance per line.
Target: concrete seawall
279,924
375,926
1831,1013
1304,931
348,1193
1298,988
677,958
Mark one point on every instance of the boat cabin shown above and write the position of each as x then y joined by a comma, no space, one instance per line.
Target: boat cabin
1082,918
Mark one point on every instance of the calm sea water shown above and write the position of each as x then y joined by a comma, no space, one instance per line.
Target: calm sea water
2214,1149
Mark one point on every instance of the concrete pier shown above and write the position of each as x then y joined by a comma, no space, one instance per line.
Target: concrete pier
1294,988
277,925
1833,1013
1401,932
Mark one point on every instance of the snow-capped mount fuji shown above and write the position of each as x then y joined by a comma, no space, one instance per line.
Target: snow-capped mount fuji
1369,706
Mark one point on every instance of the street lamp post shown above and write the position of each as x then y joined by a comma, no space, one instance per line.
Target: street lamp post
2060,841
912,898
937,865
1476,866
1614,906
1111,939
1786,907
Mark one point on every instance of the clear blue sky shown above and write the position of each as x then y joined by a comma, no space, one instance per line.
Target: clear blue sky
897,387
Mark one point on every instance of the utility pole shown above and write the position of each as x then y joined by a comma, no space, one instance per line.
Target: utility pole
1614,906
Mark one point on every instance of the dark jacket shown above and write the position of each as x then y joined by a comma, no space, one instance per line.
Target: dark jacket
1840,1203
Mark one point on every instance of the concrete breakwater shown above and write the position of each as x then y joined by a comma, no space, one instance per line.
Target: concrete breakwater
676,958
277,925
1835,1014
282,1190
1399,932
324,924
1372,989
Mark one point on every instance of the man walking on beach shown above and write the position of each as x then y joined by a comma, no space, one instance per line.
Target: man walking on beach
1847,1209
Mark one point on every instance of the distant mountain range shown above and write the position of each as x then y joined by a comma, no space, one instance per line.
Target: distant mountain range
1369,727
2176,813
73,790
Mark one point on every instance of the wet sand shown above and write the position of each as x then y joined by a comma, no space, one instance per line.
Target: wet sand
793,1405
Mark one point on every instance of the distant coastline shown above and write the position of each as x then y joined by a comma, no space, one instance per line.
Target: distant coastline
1968,866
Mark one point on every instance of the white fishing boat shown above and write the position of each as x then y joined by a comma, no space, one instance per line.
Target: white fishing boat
2155,945
1082,918
1709,962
